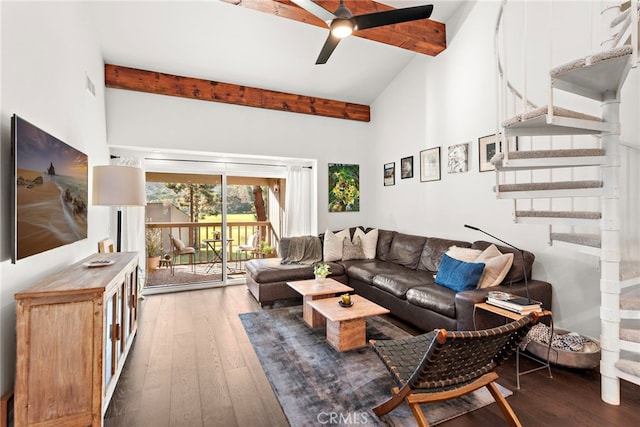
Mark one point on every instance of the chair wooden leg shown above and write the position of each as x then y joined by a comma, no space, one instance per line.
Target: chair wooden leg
397,397
419,415
504,406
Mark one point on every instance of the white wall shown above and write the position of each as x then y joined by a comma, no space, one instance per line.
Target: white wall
155,121
46,51
451,99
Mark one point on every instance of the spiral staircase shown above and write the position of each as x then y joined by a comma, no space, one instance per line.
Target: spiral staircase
584,193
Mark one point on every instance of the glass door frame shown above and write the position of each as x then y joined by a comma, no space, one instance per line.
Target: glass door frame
223,169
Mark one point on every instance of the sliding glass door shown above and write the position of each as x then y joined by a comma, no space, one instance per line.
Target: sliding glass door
201,229
182,221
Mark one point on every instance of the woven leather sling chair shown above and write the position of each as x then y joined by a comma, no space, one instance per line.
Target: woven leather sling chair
442,365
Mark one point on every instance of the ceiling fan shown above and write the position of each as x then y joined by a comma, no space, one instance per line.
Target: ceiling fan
342,22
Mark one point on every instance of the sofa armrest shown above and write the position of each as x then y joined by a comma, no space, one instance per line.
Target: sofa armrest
465,301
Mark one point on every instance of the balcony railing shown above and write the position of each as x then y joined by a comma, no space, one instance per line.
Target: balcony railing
194,234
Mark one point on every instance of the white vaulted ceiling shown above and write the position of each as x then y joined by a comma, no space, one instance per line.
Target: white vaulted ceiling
218,41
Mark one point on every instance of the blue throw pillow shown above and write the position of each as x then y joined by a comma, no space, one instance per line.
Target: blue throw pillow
459,275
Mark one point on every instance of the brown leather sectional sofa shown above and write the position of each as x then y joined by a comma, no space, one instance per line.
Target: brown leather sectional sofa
402,279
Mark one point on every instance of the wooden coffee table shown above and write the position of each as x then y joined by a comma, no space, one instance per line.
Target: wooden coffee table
346,326
313,290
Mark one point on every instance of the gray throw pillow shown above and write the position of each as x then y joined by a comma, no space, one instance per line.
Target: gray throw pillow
352,250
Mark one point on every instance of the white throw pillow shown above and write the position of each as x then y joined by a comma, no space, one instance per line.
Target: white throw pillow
332,250
496,266
369,242
463,254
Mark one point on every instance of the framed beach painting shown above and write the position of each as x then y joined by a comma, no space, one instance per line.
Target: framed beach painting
488,146
430,165
344,187
50,191
390,173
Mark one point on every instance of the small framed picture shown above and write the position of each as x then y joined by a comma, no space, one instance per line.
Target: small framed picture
458,158
488,146
390,173
406,167
430,165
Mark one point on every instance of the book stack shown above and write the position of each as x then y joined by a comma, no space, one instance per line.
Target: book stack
520,305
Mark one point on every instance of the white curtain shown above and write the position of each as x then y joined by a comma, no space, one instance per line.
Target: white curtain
297,219
275,212
133,218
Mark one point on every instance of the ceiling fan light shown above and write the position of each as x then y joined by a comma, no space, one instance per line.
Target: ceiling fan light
341,28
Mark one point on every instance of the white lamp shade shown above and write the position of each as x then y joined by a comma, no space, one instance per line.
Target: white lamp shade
118,186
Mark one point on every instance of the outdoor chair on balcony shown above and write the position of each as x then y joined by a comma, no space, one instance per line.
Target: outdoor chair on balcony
179,249
250,249
442,365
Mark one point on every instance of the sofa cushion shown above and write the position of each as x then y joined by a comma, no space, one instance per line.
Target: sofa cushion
366,270
496,266
267,270
385,238
369,242
336,268
399,284
433,250
459,275
435,298
406,249
516,272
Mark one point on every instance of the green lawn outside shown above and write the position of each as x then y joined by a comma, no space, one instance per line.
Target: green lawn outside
237,233
248,217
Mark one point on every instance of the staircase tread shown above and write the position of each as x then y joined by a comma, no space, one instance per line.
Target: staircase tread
591,60
560,185
548,159
631,335
560,214
592,240
537,154
629,366
630,299
630,270
542,111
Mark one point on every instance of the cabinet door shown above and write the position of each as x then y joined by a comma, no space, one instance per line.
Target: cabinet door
133,300
59,380
114,346
125,311
109,338
118,344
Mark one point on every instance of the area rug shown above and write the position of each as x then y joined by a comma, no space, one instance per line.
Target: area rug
318,385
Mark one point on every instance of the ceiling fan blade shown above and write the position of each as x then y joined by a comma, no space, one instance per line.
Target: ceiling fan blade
315,10
327,49
389,17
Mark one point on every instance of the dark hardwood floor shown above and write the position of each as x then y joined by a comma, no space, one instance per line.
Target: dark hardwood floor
193,365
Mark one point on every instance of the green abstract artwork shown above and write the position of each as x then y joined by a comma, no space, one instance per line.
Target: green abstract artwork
344,188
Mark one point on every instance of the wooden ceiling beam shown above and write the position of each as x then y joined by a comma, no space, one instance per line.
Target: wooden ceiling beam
424,36
118,77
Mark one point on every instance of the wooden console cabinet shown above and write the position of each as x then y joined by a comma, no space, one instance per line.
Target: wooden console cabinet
74,331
